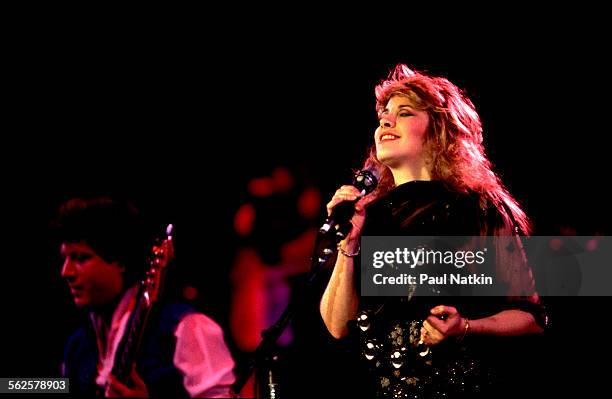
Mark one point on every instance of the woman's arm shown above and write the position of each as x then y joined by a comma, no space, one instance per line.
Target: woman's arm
339,301
512,322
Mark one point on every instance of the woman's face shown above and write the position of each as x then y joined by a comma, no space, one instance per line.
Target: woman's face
400,135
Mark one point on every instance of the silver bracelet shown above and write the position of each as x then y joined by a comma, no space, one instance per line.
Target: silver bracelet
349,255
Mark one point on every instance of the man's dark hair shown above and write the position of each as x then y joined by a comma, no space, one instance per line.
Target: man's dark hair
115,230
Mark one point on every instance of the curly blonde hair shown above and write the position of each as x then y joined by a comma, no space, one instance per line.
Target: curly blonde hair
453,142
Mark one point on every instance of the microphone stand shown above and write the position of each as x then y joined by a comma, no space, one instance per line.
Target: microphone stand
265,355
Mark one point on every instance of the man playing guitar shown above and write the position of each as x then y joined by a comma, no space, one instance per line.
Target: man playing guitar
130,347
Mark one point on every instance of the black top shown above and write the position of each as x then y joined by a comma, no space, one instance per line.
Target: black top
388,328
424,208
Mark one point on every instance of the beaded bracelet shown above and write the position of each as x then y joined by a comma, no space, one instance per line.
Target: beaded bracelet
349,255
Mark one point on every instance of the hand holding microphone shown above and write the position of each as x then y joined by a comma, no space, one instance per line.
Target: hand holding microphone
346,211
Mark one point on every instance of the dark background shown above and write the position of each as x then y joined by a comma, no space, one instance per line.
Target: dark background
180,125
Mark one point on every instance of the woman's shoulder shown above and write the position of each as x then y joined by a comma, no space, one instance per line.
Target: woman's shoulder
460,213
491,218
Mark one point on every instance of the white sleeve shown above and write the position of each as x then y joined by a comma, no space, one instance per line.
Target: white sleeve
202,357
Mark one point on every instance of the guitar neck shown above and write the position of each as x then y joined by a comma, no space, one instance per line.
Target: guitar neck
149,292
128,348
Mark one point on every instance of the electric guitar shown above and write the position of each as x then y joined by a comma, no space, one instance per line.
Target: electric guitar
149,292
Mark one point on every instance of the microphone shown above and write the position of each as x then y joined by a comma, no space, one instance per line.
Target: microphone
339,221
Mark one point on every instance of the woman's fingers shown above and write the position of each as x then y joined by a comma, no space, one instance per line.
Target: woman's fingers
344,193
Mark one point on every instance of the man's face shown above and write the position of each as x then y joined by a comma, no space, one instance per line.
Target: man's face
92,281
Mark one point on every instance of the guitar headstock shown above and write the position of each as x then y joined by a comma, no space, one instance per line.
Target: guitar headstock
162,255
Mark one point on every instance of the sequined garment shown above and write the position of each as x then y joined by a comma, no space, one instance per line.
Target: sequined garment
389,327
406,368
